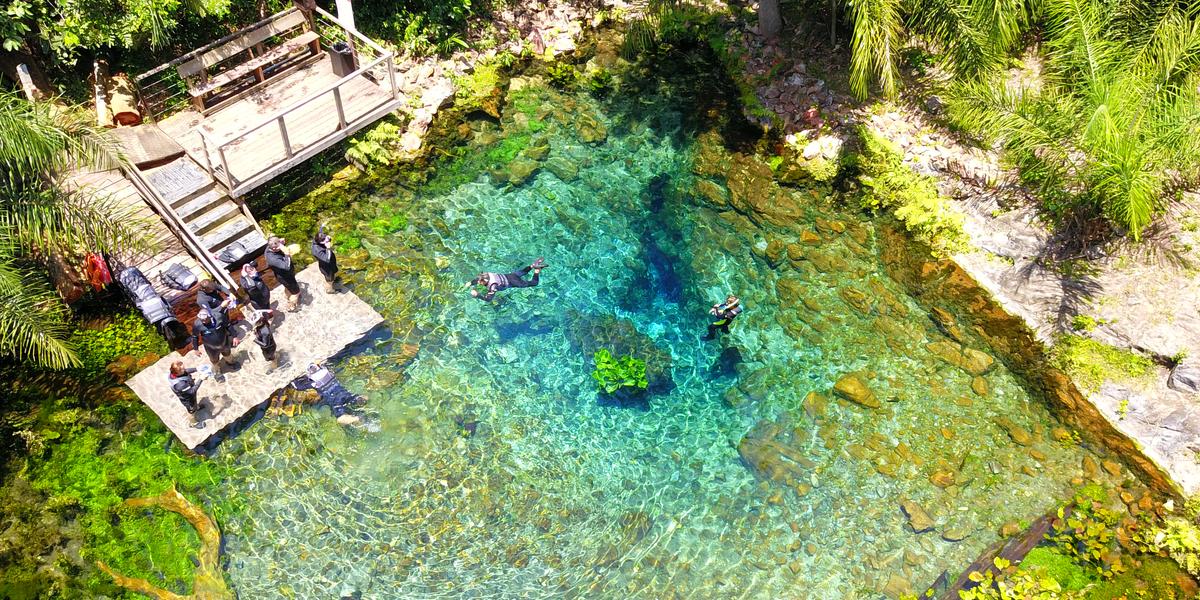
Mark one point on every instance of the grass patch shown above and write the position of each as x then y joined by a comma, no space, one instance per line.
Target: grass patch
1091,363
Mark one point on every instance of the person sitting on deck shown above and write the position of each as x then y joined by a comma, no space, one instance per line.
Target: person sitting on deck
211,332
332,392
495,282
256,289
213,295
322,250
279,258
185,387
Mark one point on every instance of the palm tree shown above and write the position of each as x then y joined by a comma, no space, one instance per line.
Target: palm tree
1114,125
973,36
38,217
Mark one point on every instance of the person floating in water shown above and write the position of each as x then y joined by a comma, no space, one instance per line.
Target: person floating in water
725,312
494,282
332,393
185,387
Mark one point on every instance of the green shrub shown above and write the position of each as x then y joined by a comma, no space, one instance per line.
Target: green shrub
1176,537
1090,363
1083,323
612,374
473,89
562,75
887,184
378,146
128,334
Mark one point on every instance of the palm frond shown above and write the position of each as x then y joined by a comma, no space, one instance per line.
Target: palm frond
32,321
874,45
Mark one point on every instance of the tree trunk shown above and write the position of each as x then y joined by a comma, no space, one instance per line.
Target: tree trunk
8,69
769,21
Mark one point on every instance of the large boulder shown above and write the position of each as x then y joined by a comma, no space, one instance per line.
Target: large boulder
918,518
970,360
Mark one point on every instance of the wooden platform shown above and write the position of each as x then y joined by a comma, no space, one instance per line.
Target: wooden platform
324,325
310,128
112,187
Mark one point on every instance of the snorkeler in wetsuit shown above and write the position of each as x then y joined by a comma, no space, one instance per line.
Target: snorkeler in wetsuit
725,312
332,393
495,282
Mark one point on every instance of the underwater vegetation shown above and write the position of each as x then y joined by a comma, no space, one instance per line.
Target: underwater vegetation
613,373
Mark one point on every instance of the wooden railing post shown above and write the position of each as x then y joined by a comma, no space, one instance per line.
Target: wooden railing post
392,75
337,101
225,165
204,147
287,144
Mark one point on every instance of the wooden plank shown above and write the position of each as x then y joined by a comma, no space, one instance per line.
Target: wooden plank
178,180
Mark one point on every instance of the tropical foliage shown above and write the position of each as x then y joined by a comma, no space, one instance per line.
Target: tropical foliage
1113,127
66,27
39,219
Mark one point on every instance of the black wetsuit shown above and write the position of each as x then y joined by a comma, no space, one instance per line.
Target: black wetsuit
212,301
185,388
496,282
331,390
725,316
265,338
257,290
326,260
214,336
281,265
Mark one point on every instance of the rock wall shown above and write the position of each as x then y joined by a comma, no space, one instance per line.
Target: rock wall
944,286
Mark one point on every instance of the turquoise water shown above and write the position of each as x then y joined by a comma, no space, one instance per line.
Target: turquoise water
496,470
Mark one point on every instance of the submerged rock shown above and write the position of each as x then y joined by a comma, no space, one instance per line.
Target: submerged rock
851,388
1018,434
972,361
1185,377
563,168
521,169
918,518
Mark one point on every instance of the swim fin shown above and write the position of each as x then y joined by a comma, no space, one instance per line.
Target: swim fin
540,263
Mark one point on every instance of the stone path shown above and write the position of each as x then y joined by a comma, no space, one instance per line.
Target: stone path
325,324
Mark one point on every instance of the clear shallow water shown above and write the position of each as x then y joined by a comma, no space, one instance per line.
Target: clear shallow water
497,471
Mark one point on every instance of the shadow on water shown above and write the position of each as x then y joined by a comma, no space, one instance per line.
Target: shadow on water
531,327
726,363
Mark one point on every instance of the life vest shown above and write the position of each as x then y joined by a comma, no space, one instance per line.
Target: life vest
495,279
97,271
321,378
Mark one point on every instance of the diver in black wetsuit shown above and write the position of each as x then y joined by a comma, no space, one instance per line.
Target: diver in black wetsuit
725,312
185,387
495,282
332,393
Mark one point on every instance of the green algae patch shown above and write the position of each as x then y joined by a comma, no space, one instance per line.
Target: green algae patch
81,469
1048,562
1090,363
127,335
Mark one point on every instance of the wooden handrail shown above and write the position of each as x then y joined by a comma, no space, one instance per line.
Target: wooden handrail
181,231
205,48
296,105
368,41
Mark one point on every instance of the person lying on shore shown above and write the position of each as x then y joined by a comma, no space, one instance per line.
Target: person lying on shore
487,284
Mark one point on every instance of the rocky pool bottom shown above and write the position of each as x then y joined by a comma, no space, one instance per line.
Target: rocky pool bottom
843,441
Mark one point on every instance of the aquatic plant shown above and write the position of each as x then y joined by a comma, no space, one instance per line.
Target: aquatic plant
601,82
887,184
1008,583
388,224
1046,561
128,334
562,75
506,150
1177,537
1090,363
612,373
1087,535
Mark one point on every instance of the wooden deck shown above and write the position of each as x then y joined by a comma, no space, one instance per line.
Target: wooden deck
306,109
113,187
324,325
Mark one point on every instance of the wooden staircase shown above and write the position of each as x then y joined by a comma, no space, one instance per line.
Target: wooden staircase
219,228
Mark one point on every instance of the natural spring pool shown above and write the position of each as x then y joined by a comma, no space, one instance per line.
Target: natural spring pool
497,471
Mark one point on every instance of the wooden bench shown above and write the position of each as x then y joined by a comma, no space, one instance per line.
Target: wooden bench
212,90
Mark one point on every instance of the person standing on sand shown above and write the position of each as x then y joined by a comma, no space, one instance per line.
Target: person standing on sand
279,258
264,336
322,250
211,333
